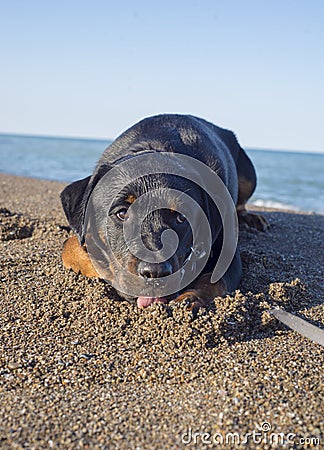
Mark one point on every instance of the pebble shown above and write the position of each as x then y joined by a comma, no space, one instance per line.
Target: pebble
80,369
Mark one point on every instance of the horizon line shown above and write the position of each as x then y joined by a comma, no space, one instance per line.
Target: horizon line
102,139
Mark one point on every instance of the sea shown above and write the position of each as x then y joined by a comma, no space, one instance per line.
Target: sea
286,179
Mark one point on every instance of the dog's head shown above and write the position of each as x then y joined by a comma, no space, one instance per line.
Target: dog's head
149,207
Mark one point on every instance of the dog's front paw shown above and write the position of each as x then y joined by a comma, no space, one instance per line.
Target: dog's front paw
253,220
193,301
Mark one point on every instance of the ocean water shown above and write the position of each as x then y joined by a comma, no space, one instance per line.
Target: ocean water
292,180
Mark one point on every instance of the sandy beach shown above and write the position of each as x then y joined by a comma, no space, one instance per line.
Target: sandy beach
79,368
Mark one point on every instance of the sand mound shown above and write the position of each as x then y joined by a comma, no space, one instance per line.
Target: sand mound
81,368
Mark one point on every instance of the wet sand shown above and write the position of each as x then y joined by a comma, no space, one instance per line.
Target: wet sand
81,369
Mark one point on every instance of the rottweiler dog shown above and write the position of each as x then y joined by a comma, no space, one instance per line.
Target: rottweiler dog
186,135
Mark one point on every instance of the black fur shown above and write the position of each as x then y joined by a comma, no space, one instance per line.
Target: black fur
187,135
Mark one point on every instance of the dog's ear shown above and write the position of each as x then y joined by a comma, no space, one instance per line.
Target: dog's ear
72,198
75,199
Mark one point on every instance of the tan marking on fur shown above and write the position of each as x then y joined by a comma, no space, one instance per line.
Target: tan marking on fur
102,237
131,199
132,265
244,191
203,292
75,257
173,206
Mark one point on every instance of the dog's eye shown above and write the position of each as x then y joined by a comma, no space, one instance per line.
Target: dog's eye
121,214
181,218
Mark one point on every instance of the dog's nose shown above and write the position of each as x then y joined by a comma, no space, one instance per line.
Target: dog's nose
153,270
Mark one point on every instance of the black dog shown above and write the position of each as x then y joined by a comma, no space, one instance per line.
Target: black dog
176,134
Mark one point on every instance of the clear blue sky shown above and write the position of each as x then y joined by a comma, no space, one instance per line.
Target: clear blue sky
93,68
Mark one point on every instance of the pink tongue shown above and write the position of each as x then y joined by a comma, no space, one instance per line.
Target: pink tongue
144,302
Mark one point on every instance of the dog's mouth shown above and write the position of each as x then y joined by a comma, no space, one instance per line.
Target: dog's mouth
144,302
